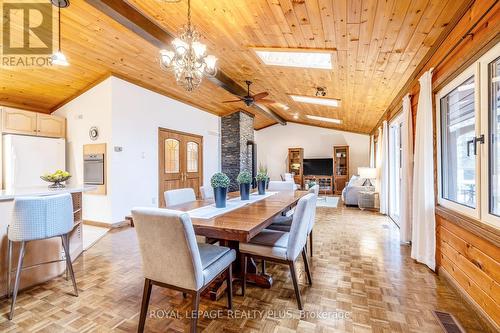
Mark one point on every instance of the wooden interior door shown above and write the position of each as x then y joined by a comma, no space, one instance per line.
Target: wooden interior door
180,162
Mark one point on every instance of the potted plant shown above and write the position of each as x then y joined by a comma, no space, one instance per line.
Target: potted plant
244,179
262,179
220,183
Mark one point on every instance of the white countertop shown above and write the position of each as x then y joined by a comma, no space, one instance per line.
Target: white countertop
42,191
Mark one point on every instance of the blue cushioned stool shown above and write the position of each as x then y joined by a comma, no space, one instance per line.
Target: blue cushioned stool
36,218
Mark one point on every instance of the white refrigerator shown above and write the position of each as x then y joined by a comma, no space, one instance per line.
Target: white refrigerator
26,158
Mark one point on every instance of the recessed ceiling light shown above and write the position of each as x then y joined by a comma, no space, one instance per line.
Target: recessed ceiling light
328,120
316,100
295,58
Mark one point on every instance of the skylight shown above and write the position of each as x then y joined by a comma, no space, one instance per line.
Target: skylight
328,120
316,100
300,59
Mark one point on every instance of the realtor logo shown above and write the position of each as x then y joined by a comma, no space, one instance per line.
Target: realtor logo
27,36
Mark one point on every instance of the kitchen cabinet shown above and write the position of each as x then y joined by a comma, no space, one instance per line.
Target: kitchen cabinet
51,126
19,122
32,123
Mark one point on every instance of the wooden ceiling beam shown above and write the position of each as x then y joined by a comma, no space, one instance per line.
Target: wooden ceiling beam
131,18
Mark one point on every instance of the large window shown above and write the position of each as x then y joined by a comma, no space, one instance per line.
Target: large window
395,156
468,132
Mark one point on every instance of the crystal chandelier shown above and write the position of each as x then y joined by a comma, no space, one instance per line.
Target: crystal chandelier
188,59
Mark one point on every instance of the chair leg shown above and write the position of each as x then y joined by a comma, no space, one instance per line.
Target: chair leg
311,242
295,284
263,267
146,294
69,264
196,306
229,290
244,282
9,259
306,265
18,277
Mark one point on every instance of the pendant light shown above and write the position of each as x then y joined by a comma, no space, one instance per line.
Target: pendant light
59,58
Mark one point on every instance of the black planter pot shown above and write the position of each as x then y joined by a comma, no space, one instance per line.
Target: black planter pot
261,185
245,191
220,194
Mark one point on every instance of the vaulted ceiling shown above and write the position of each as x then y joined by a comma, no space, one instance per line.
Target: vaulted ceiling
375,44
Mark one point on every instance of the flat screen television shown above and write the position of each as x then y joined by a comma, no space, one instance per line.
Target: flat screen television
318,166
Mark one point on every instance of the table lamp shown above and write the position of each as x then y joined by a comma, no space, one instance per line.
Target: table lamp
368,174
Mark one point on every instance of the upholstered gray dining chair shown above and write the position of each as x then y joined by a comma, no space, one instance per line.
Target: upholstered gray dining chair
283,247
172,259
207,192
36,218
283,223
179,196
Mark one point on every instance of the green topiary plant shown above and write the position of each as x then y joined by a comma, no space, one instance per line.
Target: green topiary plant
219,179
261,177
244,177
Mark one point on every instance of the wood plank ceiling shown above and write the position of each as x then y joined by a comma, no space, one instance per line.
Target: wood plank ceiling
376,44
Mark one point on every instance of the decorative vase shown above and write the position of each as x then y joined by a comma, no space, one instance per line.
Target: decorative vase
245,191
261,185
220,194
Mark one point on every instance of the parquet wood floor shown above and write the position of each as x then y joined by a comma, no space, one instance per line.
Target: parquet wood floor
359,270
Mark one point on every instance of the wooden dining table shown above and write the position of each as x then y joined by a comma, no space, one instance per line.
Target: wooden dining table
241,225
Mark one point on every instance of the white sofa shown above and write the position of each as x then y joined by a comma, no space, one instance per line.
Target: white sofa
350,193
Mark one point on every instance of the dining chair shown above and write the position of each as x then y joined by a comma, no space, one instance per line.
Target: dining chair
36,218
283,223
207,192
171,258
278,185
283,247
179,196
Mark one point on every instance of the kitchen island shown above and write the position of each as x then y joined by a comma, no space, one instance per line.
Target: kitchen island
40,250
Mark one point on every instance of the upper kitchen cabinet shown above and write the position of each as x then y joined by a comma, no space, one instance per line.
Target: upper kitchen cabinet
51,126
19,122
32,123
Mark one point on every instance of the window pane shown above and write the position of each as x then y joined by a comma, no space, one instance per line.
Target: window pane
494,146
171,156
192,157
457,131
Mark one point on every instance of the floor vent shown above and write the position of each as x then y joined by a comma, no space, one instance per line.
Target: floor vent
448,322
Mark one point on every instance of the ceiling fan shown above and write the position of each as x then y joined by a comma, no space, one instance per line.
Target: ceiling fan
251,99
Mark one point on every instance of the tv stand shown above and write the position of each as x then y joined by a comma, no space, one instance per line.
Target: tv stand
325,182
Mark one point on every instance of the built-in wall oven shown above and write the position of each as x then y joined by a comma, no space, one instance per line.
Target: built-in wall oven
93,169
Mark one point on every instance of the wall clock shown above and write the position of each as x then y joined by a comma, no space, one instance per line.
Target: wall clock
94,133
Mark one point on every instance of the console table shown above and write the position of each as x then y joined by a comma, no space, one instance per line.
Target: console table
325,183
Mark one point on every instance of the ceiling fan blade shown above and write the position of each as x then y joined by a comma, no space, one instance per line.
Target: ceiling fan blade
234,101
260,96
266,101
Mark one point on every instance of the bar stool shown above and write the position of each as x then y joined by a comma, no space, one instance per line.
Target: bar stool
36,218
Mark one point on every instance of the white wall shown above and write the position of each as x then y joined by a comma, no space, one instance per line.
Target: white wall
273,143
137,115
92,108
129,116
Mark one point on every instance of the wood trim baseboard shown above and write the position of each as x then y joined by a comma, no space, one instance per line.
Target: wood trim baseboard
484,319
474,226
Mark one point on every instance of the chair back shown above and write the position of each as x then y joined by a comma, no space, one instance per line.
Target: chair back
180,196
41,217
300,223
277,185
207,192
314,190
168,247
287,177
